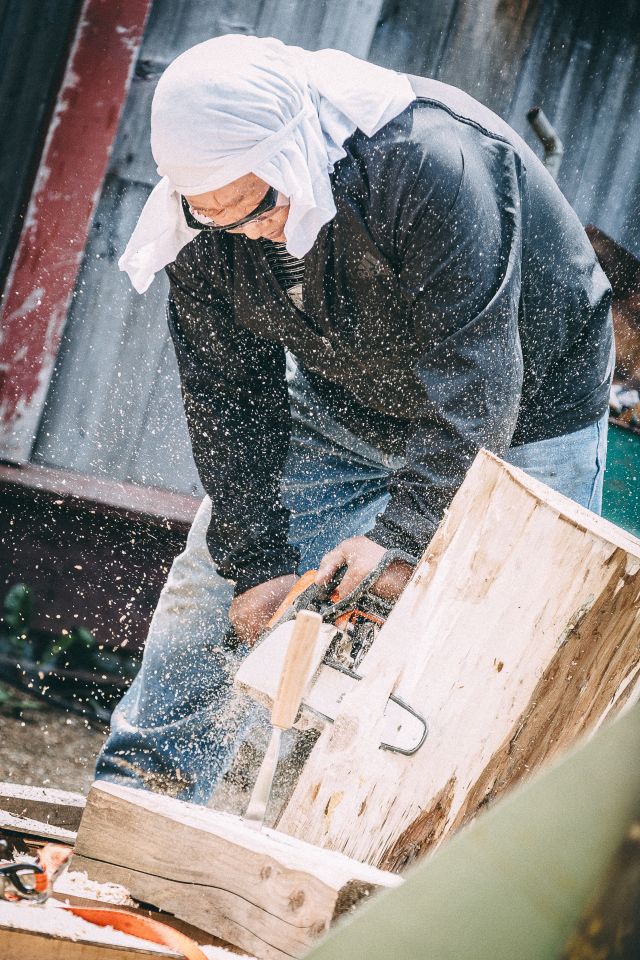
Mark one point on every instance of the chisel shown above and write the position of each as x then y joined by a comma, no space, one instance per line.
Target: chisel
293,681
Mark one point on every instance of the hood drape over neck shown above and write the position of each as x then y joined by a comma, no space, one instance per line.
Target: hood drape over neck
236,105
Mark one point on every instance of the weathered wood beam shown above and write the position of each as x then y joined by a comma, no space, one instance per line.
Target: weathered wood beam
58,808
267,893
36,831
518,634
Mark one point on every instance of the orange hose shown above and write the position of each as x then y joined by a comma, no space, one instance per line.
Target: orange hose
143,927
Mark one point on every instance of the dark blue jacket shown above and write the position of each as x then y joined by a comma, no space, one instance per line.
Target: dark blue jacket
454,302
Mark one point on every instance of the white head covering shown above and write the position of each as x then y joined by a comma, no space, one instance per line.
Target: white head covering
236,105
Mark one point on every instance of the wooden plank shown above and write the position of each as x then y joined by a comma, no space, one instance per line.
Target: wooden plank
519,633
34,830
108,497
260,890
71,172
75,888
58,808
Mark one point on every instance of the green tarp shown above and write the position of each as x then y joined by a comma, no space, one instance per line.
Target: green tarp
512,885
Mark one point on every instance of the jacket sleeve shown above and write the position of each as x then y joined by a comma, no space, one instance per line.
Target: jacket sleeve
459,231
236,403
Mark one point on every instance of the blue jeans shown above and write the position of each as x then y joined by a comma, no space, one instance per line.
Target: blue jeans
179,725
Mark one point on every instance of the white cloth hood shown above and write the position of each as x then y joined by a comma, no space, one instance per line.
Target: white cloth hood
235,105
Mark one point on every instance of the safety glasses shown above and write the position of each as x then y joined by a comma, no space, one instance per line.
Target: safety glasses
267,203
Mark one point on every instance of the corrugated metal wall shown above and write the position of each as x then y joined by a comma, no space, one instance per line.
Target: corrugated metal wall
577,59
114,407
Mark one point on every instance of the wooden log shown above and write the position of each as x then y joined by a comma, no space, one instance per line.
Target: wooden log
519,632
268,894
59,808
26,835
512,885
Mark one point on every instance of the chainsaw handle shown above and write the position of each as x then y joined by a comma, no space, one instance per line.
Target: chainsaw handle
351,600
296,669
303,583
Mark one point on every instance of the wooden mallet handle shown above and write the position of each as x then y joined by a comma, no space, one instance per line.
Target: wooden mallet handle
295,671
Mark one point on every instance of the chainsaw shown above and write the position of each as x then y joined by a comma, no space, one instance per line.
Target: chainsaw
349,629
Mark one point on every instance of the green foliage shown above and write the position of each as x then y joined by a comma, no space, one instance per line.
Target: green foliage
17,613
77,647
14,704
70,649
71,668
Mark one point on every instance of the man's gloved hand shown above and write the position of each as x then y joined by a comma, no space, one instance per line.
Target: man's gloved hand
251,611
361,555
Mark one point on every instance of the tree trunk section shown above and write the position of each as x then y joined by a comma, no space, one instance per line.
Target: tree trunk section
518,633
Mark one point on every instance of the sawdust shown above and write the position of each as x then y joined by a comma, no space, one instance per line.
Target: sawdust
48,748
219,953
232,795
50,920
76,883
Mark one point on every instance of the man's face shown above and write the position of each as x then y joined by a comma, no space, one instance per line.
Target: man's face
235,201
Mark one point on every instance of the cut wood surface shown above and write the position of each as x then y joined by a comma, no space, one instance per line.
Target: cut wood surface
269,894
518,633
59,808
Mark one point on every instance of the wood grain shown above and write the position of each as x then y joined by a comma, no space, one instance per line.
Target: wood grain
297,669
265,892
518,634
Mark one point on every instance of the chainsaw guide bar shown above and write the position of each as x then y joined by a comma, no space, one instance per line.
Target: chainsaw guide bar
347,633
